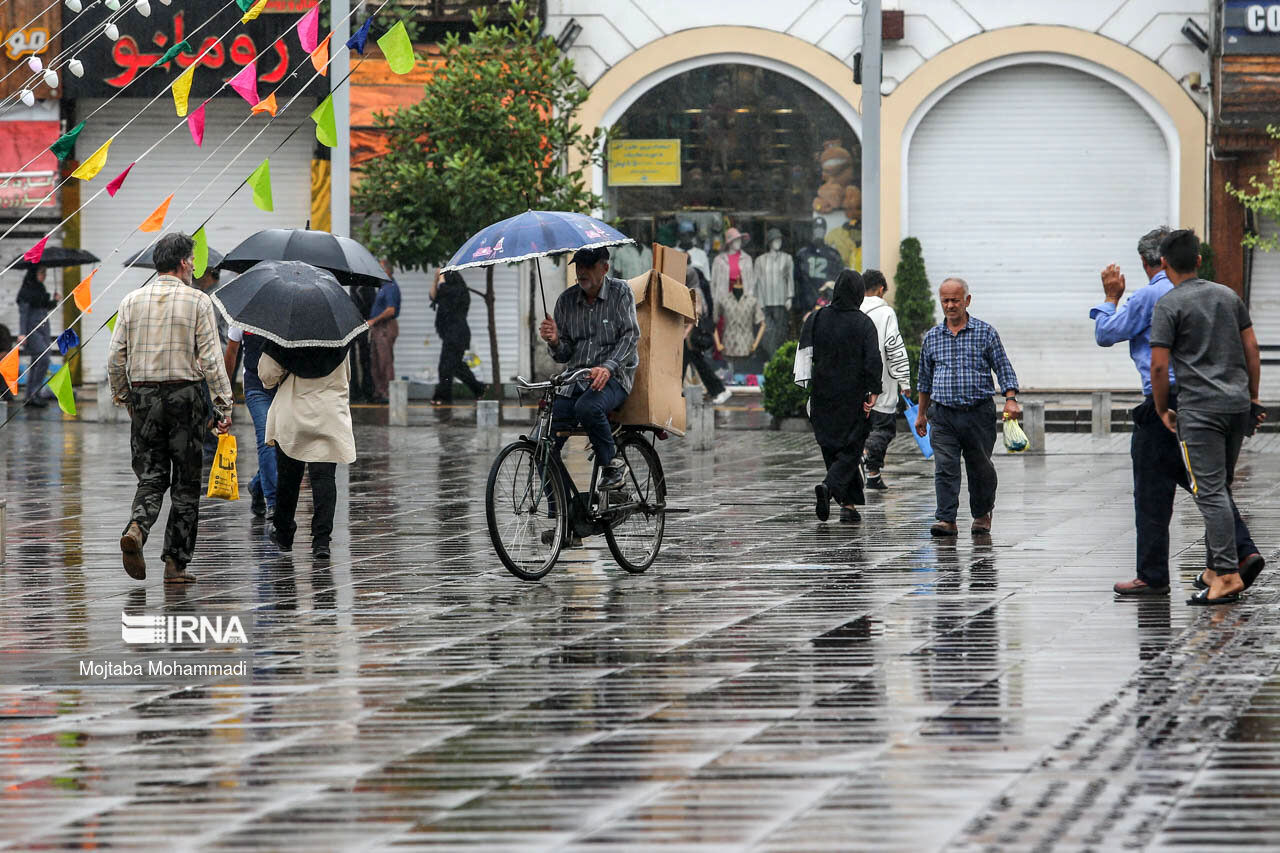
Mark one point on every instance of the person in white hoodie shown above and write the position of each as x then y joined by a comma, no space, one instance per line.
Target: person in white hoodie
897,372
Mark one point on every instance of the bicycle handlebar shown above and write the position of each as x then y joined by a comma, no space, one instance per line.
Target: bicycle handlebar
566,378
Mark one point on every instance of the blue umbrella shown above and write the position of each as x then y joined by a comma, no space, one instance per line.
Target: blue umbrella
534,234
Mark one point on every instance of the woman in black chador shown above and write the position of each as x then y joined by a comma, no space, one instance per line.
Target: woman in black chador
451,300
844,380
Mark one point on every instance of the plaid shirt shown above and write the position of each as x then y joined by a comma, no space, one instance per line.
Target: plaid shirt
606,334
955,370
167,332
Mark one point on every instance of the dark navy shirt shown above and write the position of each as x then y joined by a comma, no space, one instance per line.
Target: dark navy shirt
388,297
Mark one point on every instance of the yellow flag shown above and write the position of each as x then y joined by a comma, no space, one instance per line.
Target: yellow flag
90,168
182,89
254,12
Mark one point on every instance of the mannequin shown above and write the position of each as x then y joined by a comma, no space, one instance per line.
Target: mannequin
731,265
816,264
775,288
633,259
742,315
688,242
847,238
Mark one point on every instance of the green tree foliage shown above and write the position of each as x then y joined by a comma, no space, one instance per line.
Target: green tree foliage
492,137
913,299
783,398
1207,270
1262,197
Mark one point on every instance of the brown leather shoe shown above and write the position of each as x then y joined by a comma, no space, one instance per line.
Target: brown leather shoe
944,528
173,573
131,551
981,525
1138,587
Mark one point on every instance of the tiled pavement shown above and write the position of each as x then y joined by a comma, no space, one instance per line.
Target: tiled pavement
771,683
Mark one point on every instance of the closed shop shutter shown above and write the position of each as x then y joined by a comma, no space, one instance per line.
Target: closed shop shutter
1264,310
107,221
1026,181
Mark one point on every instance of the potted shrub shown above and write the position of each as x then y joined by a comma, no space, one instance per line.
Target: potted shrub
784,400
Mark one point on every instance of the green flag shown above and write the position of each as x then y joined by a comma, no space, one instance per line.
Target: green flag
245,5
180,47
326,126
397,48
111,323
60,385
260,180
66,142
201,252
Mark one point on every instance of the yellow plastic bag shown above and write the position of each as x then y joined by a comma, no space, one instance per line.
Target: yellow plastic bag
222,476
1015,440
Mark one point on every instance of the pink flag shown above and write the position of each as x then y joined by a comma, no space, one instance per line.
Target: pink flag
195,121
118,181
36,252
309,29
246,83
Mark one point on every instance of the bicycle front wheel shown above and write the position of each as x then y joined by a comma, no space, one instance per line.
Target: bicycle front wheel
635,533
526,510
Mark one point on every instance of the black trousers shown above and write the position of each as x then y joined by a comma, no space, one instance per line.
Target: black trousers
324,497
165,439
968,434
451,365
361,369
844,473
1158,472
883,427
698,358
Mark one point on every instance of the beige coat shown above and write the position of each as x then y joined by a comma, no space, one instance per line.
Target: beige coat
310,419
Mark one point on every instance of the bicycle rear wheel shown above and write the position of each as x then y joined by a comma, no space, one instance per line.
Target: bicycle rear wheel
635,534
525,507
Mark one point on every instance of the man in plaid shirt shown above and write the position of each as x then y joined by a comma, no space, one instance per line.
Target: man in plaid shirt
956,362
164,345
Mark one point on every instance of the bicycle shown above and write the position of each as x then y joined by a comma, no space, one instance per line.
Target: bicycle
532,503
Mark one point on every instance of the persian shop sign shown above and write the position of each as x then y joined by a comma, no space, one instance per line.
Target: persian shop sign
111,66
1251,28
644,163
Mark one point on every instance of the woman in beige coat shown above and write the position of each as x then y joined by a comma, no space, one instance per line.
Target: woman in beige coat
310,425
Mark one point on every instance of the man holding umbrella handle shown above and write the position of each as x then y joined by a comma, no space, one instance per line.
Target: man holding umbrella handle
595,326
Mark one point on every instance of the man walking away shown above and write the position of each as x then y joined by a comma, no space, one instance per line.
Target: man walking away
384,329
896,374
451,299
1204,328
1158,469
957,359
164,345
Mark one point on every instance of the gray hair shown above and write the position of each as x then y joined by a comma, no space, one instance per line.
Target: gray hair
958,280
1149,245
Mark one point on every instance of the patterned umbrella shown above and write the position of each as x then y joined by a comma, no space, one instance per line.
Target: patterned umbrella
534,234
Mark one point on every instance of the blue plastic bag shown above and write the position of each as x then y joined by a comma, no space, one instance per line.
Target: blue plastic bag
926,446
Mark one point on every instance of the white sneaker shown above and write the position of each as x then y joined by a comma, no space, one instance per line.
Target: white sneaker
722,398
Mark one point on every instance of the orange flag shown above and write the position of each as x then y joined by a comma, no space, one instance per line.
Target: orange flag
83,295
266,105
9,370
320,56
155,221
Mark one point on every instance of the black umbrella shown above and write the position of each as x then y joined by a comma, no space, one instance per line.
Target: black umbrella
57,256
292,304
350,262
145,260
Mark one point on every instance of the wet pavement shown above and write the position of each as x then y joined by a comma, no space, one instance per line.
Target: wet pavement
771,683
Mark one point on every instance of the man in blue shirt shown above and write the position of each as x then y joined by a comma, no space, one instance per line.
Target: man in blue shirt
957,359
1158,467
384,328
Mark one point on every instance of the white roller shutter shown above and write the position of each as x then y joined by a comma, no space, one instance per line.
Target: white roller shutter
1264,310
106,222
1027,181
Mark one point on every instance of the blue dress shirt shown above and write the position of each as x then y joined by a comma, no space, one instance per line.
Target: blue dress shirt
389,297
1132,323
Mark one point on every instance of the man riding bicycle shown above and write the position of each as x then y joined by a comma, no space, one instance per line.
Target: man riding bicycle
594,327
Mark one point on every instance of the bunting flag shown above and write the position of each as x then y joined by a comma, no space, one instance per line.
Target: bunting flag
180,47
182,90
83,294
260,181
155,221
397,48
245,5
266,105
9,370
118,181
309,29
358,41
68,341
320,56
195,122
326,125
111,322
246,82
60,385
36,252
200,253
66,142
253,13
89,169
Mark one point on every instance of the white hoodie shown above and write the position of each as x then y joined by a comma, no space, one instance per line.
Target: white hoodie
893,353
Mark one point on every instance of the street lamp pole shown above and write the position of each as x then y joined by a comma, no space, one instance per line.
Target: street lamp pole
340,86
871,65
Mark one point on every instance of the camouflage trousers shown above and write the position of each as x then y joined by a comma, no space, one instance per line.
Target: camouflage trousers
166,440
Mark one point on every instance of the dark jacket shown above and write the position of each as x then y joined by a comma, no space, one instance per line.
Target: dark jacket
846,365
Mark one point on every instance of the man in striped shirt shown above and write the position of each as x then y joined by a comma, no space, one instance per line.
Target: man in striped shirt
595,327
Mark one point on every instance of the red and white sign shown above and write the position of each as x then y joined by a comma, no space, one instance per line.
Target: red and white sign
22,142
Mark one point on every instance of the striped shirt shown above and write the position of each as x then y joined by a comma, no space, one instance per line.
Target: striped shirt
955,370
604,334
775,279
167,332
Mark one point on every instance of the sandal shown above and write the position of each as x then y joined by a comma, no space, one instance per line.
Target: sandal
1202,599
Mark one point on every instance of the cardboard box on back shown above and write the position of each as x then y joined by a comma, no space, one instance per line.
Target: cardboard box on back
663,304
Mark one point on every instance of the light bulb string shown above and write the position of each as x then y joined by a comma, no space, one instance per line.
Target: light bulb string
78,45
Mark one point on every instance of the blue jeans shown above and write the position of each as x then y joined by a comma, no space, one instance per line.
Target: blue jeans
590,409
258,403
